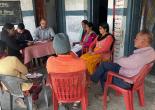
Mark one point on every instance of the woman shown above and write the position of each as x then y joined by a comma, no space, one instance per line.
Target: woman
88,38
10,65
103,44
8,36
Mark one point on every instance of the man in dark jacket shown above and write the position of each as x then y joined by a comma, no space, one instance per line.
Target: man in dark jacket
23,36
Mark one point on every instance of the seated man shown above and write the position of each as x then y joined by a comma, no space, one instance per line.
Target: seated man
43,32
128,66
23,36
64,61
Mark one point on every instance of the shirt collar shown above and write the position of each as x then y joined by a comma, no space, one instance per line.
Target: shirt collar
142,49
43,29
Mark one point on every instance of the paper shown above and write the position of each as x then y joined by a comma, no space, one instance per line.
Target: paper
33,75
76,48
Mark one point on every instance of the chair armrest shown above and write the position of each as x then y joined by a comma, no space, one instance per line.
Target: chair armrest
113,74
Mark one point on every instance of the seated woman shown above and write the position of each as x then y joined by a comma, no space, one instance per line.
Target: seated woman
88,38
100,48
11,65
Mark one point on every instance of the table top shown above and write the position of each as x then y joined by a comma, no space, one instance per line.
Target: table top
37,50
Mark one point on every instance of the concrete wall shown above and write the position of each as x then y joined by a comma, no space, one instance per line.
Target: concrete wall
119,25
27,13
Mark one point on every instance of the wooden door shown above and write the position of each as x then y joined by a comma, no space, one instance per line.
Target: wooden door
40,10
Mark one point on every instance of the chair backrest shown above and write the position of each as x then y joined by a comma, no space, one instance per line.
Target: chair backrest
68,86
13,84
140,77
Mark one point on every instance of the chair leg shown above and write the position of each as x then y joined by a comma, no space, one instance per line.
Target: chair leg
84,105
55,102
86,97
105,98
140,93
29,102
128,101
45,96
11,102
0,106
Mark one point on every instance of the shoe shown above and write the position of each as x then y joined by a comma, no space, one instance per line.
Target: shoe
76,106
20,102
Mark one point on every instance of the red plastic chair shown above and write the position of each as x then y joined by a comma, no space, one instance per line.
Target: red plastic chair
68,88
138,86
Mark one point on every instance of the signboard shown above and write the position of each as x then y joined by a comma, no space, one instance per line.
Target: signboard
117,21
10,12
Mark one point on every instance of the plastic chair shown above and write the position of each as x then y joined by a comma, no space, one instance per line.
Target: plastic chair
13,84
85,50
138,86
69,88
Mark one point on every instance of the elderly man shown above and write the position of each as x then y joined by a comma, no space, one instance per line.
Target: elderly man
128,66
64,61
43,32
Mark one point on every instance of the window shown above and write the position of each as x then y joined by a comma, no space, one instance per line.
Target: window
75,12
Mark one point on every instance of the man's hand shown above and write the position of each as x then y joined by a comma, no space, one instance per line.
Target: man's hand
30,43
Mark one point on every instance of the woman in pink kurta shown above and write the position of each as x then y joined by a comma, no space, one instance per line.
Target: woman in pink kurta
100,48
89,36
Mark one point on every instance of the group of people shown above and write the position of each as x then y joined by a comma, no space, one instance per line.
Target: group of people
21,37
96,60
11,42
93,57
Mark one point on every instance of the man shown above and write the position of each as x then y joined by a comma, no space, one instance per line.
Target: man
64,61
43,32
23,36
128,66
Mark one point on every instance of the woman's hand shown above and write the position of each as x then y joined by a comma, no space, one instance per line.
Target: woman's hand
81,43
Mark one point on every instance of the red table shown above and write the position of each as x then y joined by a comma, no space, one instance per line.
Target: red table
38,50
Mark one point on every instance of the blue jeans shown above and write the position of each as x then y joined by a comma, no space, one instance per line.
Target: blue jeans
101,75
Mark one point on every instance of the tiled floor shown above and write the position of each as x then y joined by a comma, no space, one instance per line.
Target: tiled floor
116,102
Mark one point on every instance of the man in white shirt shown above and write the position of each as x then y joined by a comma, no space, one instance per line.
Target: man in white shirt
131,65
43,32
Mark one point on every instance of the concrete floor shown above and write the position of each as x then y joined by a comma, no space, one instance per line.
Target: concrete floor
116,102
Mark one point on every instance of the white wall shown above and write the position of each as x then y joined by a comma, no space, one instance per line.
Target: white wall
27,13
120,27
